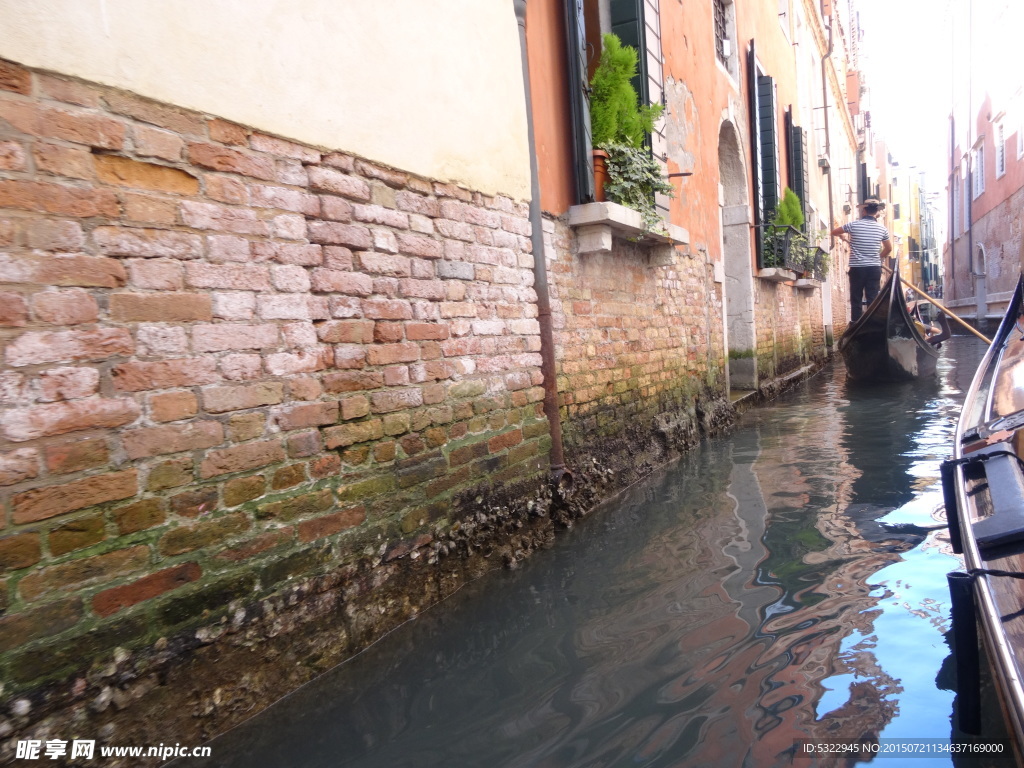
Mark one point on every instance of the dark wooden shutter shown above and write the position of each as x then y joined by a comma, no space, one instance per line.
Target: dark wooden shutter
579,101
796,154
769,142
755,147
805,171
628,24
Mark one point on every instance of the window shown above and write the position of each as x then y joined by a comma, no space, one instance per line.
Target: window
637,24
767,126
724,12
627,18
579,100
764,141
1000,151
721,32
796,153
978,170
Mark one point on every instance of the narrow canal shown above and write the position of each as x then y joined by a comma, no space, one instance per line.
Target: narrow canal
780,583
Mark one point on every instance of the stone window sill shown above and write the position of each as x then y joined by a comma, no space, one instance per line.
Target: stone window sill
808,283
597,224
776,274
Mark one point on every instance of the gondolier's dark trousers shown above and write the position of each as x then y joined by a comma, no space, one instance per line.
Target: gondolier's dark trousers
864,282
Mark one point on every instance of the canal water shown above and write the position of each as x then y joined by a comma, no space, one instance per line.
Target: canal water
781,583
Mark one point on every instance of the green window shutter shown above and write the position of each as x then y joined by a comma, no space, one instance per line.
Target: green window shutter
805,169
769,142
755,144
628,24
796,154
579,101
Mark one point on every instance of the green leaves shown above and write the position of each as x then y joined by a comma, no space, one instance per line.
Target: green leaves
786,245
790,212
620,125
633,179
616,116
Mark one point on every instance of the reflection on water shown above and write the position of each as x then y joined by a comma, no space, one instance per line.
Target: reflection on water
778,584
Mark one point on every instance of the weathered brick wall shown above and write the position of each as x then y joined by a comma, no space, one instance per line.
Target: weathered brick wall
840,284
790,332
229,361
640,355
999,233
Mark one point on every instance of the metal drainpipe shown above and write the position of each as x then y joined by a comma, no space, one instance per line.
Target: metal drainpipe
953,201
828,138
561,478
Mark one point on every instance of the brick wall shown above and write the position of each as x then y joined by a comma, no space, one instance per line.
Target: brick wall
640,356
251,387
998,232
790,333
230,361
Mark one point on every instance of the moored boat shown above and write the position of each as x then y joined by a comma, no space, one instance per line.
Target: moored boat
886,343
983,486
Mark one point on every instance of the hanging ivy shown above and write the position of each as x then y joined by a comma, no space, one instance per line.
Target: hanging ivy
620,126
633,179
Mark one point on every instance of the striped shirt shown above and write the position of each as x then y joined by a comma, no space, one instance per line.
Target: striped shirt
866,236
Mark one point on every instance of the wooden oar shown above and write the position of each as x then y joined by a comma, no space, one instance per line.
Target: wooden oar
952,315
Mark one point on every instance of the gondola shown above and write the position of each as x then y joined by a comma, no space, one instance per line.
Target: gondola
887,343
983,485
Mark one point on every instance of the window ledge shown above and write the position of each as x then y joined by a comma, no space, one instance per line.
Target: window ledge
808,283
776,274
597,223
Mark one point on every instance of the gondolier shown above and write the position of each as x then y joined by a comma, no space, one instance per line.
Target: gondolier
866,236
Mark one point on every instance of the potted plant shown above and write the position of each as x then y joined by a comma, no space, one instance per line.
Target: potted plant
821,262
784,243
619,127
810,259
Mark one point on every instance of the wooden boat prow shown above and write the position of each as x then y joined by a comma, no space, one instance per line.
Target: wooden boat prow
885,343
984,490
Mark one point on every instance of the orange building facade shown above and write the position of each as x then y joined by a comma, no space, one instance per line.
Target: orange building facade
755,102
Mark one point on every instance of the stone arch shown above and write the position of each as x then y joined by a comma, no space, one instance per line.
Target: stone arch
740,336
978,266
979,273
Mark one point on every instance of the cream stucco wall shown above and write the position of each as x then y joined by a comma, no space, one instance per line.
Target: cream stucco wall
429,86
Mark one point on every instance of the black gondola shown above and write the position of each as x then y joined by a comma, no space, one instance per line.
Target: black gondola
886,342
983,485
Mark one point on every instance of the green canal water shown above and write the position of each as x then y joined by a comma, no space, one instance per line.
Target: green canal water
779,584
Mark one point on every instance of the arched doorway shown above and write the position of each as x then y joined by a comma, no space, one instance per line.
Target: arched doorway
740,337
979,272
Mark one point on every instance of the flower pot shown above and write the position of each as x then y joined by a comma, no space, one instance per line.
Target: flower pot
600,174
